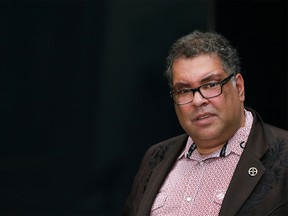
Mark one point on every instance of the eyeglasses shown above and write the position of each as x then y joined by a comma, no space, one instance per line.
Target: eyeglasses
208,90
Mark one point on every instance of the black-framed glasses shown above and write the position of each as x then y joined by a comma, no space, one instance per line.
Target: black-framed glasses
208,90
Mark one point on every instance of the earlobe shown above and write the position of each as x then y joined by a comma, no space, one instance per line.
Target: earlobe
242,94
240,86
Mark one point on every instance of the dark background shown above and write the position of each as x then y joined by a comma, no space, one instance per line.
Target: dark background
83,94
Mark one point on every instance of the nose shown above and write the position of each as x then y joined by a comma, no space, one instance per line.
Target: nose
198,99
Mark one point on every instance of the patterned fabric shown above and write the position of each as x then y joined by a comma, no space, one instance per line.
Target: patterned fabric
197,185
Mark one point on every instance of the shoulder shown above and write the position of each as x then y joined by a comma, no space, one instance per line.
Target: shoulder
276,131
266,132
166,144
159,151
276,137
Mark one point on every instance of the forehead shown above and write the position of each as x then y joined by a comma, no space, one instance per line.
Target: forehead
197,69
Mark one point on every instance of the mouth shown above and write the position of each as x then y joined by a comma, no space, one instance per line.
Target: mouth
203,118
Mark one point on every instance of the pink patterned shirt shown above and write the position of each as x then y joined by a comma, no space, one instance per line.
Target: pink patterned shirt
197,185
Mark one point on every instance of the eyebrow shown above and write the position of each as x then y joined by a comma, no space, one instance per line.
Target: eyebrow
206,79
210,77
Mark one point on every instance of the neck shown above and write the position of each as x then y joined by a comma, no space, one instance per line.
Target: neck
208,151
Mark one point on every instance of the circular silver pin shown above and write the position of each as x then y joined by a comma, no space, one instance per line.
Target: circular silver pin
252,171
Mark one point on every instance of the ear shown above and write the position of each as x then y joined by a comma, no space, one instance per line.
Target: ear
240,86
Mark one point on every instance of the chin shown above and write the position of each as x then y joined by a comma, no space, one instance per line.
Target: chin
210,134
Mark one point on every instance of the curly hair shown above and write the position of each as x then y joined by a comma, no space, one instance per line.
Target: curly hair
201,43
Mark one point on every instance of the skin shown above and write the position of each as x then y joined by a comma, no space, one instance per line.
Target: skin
209,122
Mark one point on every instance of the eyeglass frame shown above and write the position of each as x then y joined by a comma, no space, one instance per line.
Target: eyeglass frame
193,90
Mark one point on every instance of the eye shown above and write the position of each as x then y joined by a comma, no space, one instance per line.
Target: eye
210,85
183,91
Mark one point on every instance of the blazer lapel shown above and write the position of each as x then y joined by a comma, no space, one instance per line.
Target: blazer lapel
243,183
159,175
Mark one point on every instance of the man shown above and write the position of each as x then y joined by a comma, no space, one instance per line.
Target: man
229,162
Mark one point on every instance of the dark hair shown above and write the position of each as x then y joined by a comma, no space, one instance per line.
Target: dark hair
199,43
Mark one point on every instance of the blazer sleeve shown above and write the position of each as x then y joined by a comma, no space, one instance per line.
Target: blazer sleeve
139,184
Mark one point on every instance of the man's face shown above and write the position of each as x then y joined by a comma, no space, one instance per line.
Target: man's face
209,122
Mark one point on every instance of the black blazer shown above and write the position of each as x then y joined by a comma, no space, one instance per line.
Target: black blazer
264,194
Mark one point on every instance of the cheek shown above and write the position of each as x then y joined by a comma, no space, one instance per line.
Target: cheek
232,105
231,98
182,113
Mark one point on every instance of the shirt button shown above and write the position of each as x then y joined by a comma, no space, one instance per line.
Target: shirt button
188,199
201,163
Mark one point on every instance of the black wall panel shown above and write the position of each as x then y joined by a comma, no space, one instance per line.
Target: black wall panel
83,97
259,31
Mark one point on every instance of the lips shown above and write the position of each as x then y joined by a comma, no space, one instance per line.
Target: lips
203,116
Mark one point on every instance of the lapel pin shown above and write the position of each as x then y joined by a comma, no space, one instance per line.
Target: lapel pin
252,171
